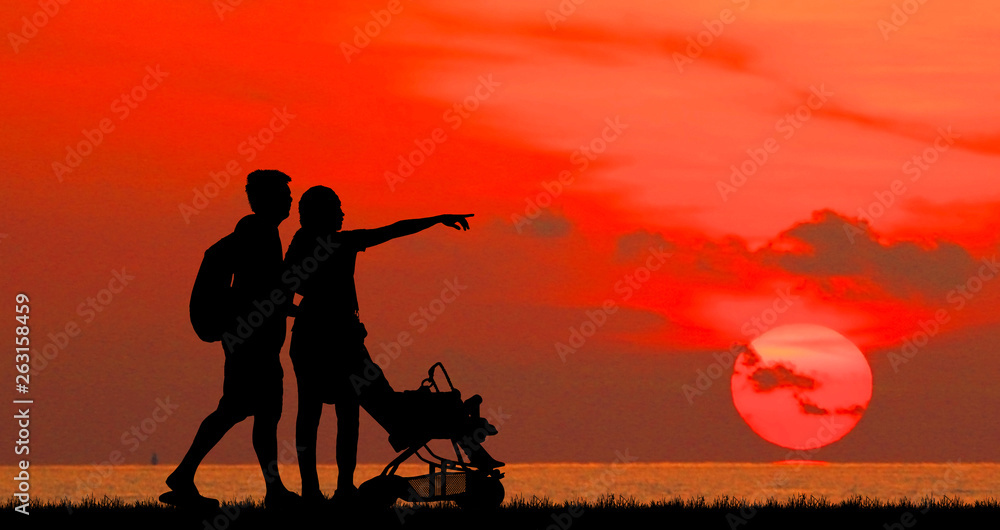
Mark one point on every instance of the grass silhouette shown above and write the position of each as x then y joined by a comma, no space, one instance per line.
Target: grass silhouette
519,513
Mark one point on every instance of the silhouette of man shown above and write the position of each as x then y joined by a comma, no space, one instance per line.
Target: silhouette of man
327,348
253,375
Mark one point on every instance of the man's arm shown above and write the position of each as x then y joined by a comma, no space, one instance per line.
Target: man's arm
407,227
290,282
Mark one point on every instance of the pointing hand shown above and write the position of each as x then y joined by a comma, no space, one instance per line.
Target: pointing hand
458,222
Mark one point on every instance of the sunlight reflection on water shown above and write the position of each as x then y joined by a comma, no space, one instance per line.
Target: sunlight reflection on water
561,482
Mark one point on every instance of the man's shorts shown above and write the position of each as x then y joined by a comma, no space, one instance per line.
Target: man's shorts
253,383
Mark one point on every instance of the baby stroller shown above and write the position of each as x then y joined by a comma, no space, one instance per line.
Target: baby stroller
429,413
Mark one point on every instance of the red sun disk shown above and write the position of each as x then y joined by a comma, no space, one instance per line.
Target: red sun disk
801,386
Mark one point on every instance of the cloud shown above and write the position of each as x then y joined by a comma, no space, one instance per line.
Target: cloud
768,378
836,253
987,143
856,410
636,244
831,245
715,287
809,407
751,357
548,224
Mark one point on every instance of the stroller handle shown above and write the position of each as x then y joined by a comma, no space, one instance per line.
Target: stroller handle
430,377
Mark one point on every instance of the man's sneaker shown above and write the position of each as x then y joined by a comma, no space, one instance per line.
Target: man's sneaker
189,498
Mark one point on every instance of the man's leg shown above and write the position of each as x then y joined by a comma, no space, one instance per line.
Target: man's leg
306,427
212,429
348,416
266,400
265,444
228,413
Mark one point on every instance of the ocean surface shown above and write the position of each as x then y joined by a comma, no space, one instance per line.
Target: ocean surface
562,482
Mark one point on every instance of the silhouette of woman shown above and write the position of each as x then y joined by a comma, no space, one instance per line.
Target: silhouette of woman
327,349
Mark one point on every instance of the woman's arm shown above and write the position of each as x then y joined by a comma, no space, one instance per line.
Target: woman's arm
407,227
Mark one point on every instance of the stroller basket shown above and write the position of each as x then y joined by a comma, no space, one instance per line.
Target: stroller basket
428,487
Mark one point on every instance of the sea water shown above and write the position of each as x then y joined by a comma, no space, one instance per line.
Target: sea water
560,482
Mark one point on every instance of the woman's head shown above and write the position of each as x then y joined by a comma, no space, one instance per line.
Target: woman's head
319,208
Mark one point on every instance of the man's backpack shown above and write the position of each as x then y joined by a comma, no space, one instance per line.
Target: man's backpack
213,307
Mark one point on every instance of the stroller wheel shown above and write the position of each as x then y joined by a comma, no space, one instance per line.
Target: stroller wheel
382,491
484,495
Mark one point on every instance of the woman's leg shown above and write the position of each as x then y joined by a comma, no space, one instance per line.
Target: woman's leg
348,415
306,427
377,396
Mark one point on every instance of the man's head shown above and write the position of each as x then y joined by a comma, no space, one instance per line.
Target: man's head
269,195
319,208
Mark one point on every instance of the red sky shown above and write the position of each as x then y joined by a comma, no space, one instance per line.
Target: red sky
868,100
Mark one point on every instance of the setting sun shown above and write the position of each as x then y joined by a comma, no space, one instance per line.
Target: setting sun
801,386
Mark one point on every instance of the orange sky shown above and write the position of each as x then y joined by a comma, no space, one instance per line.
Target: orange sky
642,126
